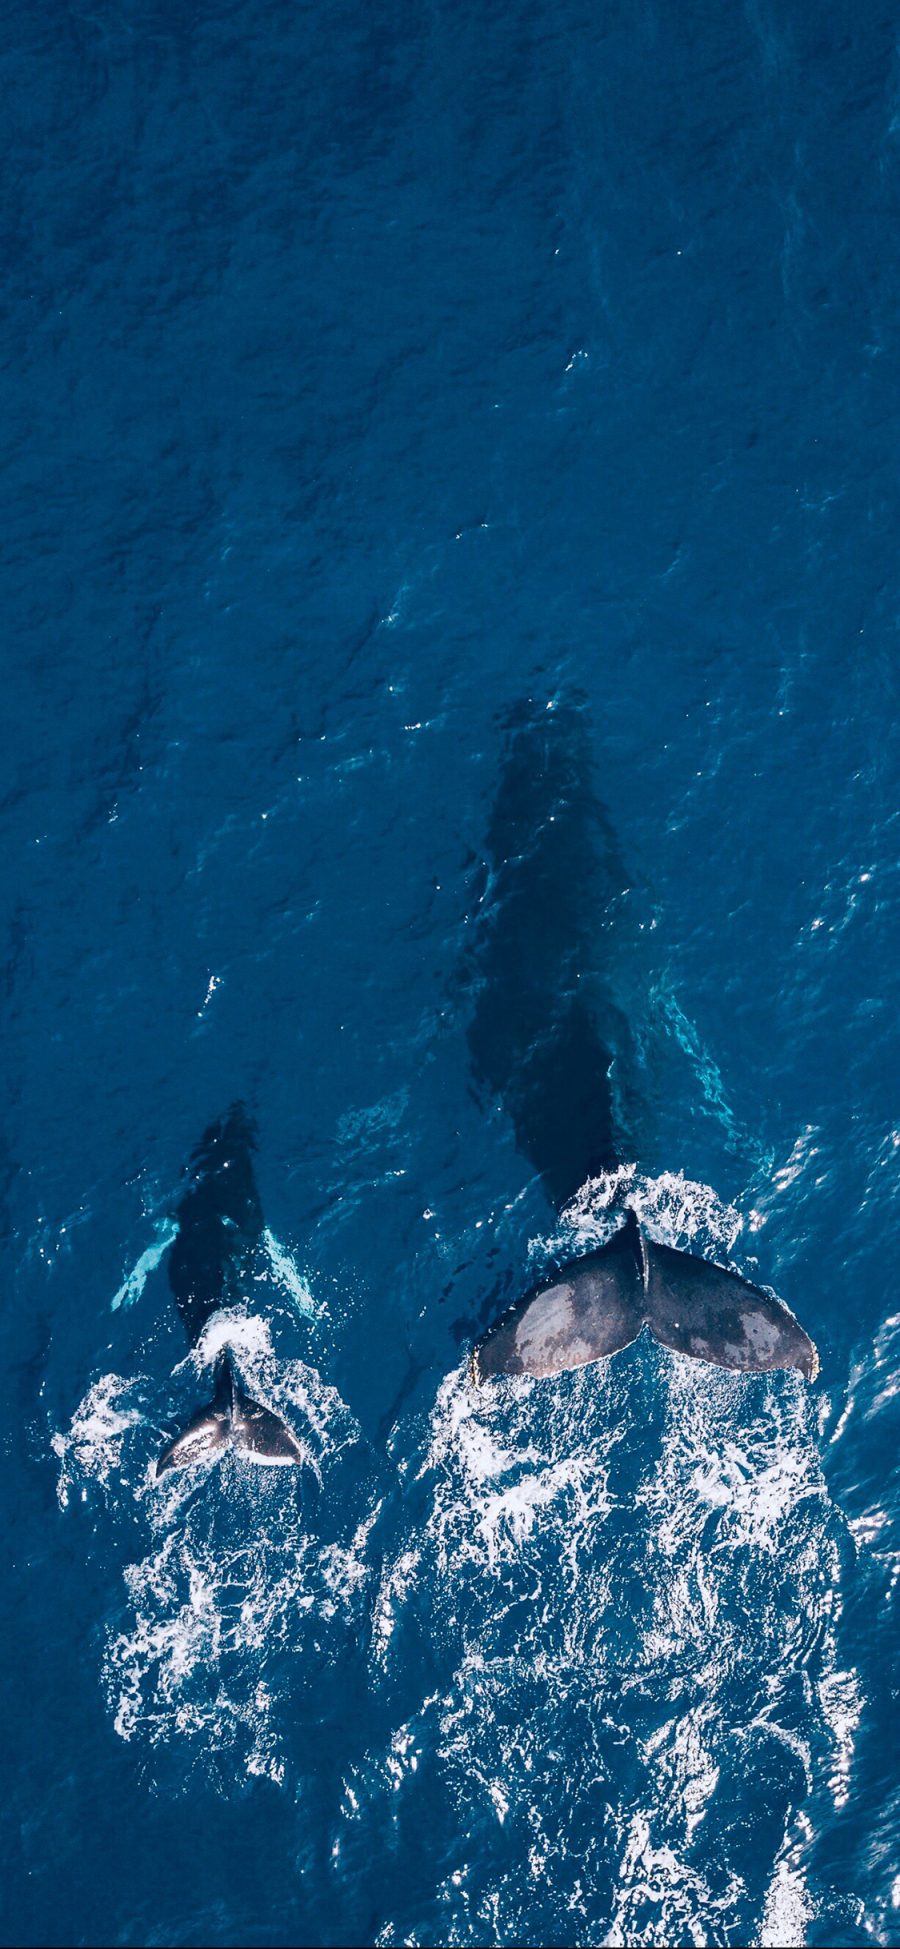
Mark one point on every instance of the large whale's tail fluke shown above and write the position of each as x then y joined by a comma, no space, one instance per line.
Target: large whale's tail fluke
599,1304
702,1309
232,1420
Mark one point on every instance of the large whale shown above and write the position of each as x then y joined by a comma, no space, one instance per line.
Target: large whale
219,1224
551,1043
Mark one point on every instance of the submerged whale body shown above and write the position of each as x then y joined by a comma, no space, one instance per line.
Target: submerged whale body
219,1224
549,1040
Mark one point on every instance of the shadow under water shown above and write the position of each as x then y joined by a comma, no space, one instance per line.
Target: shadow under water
219,1218
548,1037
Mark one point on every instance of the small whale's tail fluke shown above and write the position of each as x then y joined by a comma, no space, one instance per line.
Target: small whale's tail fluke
232,1420
599,1304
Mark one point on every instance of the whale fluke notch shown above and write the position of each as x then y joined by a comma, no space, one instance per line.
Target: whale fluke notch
232,1420
598,1304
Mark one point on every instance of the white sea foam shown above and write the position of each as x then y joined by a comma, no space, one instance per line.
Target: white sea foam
218,1619
788,1909
91,1449
676,1210
236,1577
232,1327
632,1574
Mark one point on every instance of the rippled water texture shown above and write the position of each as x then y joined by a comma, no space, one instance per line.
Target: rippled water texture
366,372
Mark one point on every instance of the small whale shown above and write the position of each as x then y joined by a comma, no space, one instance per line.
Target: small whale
550,1041
219,1224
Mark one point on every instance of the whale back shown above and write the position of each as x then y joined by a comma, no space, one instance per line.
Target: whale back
219,1220
547,1032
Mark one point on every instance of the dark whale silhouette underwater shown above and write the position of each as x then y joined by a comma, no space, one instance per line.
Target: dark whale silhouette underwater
219,1224
549,1042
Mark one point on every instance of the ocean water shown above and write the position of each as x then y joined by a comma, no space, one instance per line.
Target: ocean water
367,370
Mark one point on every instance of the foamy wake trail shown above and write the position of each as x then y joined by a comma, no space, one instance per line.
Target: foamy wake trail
216,1631
247,1576
91,1449
633,1576
676,1210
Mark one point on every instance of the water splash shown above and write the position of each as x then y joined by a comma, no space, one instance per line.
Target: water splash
92,1447
221,1617
637,1566
676,1210
240,1573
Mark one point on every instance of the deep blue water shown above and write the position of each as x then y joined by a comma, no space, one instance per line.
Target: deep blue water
366,370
